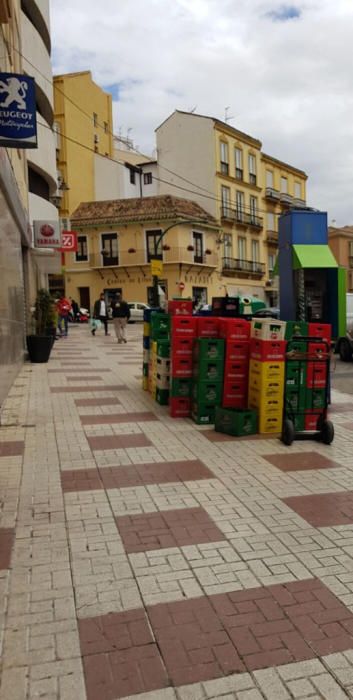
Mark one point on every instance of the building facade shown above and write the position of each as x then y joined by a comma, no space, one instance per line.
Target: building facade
117,240
227,173
340,241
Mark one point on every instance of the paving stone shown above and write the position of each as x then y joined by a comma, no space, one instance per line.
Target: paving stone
300,461
324,509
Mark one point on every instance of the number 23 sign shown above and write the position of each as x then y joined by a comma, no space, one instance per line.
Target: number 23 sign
69,241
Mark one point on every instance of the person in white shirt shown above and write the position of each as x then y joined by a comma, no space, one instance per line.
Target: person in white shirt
100,312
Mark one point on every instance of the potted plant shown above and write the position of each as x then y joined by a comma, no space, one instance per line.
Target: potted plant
131,250
208,251
190,247
40,342
165,246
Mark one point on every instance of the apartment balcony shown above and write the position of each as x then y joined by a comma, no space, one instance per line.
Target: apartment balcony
286,199
272,237
241,218
139,258
299,203
98,261
236,267
272,194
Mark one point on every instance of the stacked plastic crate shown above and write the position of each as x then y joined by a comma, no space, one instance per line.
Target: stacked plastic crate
236,334
183,333
146,347
208,370
266,373
161,348
160,330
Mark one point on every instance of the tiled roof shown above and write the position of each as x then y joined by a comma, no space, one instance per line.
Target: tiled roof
140,209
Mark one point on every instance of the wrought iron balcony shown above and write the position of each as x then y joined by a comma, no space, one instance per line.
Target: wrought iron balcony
272,236
271,193
297,202
238,216
286,198
137,257
233,266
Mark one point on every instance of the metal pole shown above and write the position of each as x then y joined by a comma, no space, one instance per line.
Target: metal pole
155,293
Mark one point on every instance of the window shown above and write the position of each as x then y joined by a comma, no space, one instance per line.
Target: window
252,169
82,251
240,206
151,245
228,245
242,248
255,248
224,158
147,178
225,196
350,248
238,155
284,185
132,176
270,221
297,190
109,250
95,119
198,247
253,210
105,127
271,262
269,178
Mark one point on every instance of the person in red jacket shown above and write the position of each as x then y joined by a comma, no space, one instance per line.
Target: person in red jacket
63,308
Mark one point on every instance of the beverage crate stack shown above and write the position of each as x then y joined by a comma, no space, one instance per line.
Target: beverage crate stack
158,367
146,347
207,373
236,334
266,373
183,333
305,382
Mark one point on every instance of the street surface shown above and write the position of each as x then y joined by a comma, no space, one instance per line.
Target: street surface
149,558
342,375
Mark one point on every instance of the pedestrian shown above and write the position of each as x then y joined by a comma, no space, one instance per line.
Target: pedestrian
100,312
63,308
121,315
75,309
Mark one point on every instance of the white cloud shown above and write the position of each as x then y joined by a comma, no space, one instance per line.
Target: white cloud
288,81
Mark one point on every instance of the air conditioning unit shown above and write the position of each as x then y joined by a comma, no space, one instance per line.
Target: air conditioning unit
96,138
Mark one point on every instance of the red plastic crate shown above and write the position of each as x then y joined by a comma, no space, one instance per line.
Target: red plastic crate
267,350
316,376
181,366
179,407
237,350
310,420
236,371
184,325
180,306
182,346
235,394
207,327
234,328
317,350
321,330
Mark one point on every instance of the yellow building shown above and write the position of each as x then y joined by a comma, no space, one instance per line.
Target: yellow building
228,174
84,125
118,238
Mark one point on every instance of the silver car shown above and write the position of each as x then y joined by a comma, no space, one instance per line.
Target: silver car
136,310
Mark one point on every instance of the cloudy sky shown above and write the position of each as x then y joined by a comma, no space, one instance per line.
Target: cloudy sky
285,70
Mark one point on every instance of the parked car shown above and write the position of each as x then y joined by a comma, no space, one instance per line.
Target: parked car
268,312
136,310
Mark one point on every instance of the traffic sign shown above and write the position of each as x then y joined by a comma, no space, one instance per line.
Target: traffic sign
181,286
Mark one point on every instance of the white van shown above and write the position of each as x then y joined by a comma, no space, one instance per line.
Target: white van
345,345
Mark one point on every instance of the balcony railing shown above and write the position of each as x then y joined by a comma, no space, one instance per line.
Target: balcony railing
139,257
272,236
271,193
286,198
236,265
238,216
297,202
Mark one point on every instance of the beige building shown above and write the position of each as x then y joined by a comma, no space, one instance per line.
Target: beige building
117,240
227,173
340,241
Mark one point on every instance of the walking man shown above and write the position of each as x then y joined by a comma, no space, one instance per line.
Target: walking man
100,312
121,315
63,308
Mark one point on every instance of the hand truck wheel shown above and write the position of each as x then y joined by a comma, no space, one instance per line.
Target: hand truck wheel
288,432
327,432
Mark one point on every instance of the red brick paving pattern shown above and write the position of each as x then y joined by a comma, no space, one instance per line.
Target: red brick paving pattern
80,480
300,461
211,637
11,448
116,442
153,473
69,370
120,657
103,401
7,537
119,418
94,387
170,528
213,436
324,509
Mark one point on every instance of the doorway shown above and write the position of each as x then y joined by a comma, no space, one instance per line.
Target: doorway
199,296
85,300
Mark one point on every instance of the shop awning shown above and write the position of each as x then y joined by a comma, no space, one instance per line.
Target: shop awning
305,256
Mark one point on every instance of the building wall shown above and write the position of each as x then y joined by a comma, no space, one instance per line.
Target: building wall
83,134
341,244
185,146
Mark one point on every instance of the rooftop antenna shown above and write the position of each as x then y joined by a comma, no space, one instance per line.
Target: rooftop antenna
227,118
193,109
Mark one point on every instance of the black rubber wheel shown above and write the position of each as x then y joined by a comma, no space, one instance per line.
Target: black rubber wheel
288,432
345,351
327,432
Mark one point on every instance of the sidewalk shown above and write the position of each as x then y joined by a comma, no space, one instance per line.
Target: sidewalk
142,556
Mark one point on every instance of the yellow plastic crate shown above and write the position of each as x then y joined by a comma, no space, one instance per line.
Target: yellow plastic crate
145,383
266,371
270,423
266,388
146,329
260,399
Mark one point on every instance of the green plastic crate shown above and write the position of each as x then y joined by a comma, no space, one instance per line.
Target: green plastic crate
235,421
181,387
207,393
295,399
209,349
160,326
295,375
294,328
202,415
162,396
315,398
297,346
163,347
299,423
208,370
